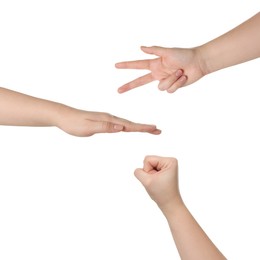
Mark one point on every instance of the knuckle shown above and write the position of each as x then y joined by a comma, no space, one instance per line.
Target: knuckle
106,126
107,117
146,158
174,161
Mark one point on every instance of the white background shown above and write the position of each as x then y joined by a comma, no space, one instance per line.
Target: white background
63,197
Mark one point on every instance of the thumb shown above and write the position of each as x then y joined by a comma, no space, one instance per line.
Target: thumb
105,127
156,50
141,175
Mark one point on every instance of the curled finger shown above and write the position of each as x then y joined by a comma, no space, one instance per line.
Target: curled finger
170,80
178,84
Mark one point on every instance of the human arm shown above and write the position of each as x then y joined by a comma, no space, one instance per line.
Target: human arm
17,109
159,176
239,45
178,67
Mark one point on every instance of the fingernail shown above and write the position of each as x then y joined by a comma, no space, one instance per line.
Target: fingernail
183,78
178,73
118,127
162,88
120,90
157,132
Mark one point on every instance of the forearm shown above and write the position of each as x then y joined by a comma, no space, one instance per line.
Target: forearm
236,46
190,239
17,109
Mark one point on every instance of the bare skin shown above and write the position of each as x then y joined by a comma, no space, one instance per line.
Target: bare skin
159,177
17,109
179,67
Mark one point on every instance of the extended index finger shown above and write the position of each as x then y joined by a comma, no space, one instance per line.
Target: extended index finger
137,64
136,83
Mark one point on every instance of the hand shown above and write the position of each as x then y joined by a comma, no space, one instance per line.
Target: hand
174,68
159,176
86,123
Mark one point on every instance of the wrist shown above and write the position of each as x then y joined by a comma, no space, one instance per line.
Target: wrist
58,113
203,59
172,207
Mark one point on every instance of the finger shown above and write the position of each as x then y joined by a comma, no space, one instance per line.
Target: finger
143,128
137,64
135,127
148,78
156,50
155,132
104,127
151,163
108,127
169,81
178,84
128,126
